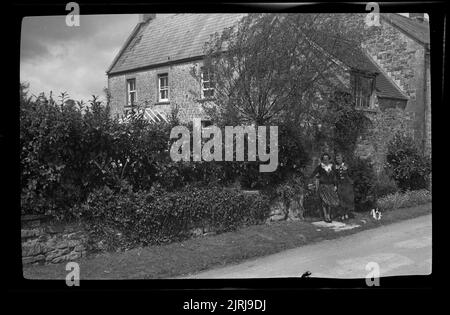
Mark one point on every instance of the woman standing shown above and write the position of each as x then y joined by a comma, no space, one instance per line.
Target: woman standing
345,187
327,186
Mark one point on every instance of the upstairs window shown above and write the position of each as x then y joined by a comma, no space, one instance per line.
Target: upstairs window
207,83
163,87
363,86
131,92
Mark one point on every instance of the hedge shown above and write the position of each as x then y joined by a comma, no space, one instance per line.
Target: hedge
127,219
68,150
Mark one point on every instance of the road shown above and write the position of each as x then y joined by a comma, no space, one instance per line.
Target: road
402,248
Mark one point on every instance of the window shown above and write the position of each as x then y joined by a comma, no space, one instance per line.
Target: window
363,86
207,83
131,92
163,87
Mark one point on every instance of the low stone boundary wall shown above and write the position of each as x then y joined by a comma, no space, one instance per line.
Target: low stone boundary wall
43,243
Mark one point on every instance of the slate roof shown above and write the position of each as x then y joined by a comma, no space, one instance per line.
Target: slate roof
170,37
358,59
420,31
384,86
174,37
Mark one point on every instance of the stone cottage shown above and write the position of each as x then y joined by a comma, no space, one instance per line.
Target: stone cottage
154,68
401,49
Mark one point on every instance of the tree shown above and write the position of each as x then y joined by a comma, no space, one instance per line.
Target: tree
277,67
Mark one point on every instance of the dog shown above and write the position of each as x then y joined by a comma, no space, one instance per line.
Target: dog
376,214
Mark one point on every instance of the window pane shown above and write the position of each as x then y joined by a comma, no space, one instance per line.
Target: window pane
131,91
163,81
207,83
131,85
362,87
163,94
163,87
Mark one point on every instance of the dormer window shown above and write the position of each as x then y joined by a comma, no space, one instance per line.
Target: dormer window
363,86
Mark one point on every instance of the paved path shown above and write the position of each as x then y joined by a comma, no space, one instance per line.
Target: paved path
402,248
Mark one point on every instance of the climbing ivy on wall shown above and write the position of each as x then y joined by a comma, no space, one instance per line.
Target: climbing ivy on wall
347,123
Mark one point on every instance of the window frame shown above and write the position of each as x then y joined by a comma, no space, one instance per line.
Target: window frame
209,81
358,79
129,91
160,76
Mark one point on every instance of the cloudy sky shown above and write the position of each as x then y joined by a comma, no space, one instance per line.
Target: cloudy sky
58,58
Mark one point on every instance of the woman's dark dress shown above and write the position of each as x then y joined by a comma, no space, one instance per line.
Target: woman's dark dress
345,188
327,182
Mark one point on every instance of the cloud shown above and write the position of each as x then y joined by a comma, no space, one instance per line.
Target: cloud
58,58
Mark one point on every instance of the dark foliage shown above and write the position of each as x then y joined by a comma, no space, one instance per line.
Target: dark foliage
363,176
410,169
127,219
69,149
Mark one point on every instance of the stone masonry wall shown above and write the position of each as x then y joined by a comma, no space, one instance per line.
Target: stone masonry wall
184,90
403,59
47,244
385,124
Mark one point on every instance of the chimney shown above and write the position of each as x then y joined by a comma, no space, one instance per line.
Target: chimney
420,17
144,18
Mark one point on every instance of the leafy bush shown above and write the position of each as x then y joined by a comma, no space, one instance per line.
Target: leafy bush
410,168
385,185
312,203
403,200
364,177
68,150
125,219
291,189
292,156
347,123
55,151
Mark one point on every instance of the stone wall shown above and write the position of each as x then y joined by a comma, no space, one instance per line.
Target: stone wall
43,243
403,60
384,125
184,90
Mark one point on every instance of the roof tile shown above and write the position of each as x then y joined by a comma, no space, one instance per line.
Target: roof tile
420,31
171,37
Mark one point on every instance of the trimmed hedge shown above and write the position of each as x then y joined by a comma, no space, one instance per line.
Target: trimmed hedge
127,219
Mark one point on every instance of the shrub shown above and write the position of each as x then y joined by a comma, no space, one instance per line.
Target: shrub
126,219
410,168
312,203
292,156
384,185
363,176
290,189
404,199
348,123
68,150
